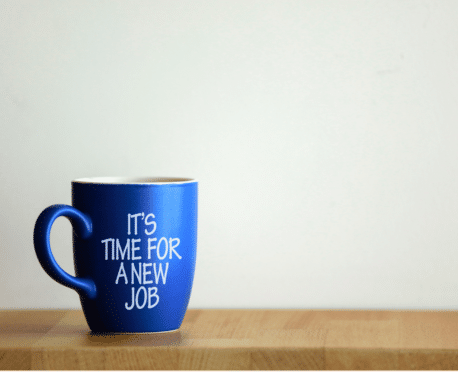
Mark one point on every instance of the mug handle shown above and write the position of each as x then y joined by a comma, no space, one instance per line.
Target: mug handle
82,225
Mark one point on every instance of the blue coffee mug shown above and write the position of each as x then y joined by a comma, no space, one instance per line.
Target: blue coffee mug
134,248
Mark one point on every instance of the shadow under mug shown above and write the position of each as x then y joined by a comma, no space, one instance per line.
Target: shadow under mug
134,249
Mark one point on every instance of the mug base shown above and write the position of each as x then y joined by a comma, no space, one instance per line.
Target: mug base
92,333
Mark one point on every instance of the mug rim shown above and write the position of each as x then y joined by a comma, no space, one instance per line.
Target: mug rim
135,180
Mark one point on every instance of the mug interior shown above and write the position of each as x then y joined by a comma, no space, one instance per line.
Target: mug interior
135,180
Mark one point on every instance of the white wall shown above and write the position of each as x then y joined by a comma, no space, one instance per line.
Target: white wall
324,135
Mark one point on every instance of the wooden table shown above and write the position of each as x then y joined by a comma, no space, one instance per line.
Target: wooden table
237,339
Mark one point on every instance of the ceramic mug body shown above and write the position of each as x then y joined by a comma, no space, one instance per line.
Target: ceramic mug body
134,247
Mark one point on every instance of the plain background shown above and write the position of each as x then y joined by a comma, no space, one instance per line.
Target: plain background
323,133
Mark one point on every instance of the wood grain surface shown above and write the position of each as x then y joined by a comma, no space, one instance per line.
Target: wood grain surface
237,339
